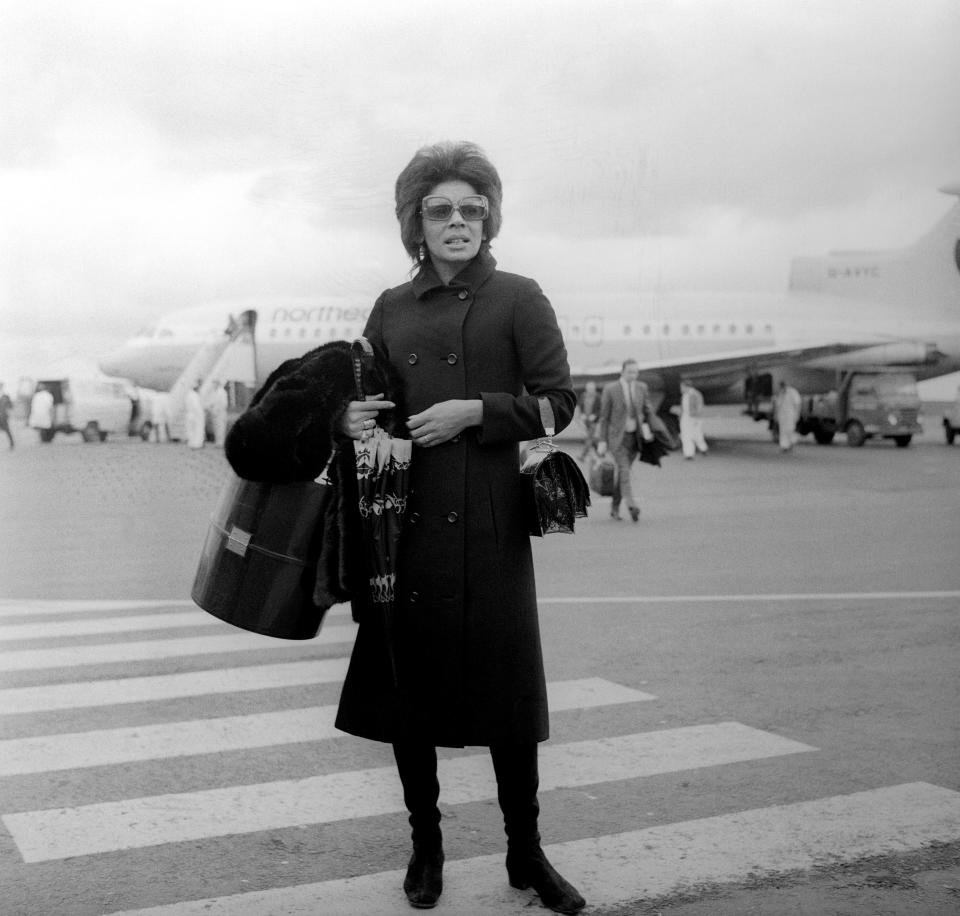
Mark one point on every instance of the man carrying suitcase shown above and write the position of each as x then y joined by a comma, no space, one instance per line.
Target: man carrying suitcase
625,423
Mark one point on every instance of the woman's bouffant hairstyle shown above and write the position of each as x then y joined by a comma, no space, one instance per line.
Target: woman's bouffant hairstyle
434,164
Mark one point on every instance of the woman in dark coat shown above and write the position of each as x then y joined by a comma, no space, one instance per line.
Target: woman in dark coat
474,349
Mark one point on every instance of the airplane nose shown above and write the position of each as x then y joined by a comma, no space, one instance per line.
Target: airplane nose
117,362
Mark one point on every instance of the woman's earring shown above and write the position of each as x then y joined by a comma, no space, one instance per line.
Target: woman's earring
422,254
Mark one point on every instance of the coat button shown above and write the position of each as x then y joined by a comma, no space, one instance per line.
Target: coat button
412,359
452,359
414,518
452,517
414,597
463,294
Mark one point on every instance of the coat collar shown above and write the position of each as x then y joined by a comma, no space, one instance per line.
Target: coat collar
471,278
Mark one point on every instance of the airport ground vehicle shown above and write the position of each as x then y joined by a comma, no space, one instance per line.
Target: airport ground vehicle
866,404
92,406
951,420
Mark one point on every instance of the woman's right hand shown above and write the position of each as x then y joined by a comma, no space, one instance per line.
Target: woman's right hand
360,417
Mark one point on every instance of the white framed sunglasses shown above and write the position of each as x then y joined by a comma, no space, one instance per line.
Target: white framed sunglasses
472,207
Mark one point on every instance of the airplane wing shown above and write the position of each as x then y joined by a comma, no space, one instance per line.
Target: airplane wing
714,370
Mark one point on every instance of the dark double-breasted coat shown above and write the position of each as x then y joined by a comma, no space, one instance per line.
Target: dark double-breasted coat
469,661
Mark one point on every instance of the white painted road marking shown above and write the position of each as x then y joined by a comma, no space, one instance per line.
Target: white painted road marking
49,629
113,746
170,686
16,607
53,629
642,864
59,833
786,596
234,641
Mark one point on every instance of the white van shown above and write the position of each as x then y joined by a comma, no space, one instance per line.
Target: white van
93,406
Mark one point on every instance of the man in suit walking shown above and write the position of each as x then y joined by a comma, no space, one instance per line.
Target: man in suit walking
625,421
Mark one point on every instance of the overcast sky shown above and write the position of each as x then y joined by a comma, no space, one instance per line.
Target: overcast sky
157,155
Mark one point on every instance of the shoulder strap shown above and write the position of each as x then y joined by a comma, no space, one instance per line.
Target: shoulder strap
547,419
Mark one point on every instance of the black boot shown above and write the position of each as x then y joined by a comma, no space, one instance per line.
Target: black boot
417,766
423,883
527,866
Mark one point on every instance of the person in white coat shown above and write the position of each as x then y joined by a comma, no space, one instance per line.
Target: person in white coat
41,412
691,420
195,418
787,412
217,404
160,417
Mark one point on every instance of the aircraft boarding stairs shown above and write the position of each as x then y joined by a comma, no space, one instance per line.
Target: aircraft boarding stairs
230,359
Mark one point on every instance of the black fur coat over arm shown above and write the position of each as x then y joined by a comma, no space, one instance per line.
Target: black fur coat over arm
289,432
293,421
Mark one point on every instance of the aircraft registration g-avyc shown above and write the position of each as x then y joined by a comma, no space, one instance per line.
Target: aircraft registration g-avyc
842,311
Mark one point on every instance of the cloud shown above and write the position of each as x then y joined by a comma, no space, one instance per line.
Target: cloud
158,154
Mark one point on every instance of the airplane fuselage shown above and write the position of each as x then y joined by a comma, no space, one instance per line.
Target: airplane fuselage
898,308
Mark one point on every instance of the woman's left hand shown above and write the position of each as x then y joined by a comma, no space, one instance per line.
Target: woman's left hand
444,421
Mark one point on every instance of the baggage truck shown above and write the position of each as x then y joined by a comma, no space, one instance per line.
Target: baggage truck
93,406
879,403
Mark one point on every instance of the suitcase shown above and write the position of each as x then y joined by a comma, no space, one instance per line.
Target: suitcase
602,476
258,566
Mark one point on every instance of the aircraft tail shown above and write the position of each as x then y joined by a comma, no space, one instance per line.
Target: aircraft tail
924,276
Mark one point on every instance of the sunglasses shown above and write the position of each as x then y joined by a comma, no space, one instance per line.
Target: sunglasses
474,207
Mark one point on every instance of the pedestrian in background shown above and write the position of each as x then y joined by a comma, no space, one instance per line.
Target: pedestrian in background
195,418
626,418
41,412
217,404
589,407
786,411
691,420
6,406
160,417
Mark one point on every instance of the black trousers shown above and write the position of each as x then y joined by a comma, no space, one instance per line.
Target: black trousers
518,779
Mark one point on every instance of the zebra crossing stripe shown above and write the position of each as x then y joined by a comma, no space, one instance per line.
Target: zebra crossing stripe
83,694
103,747
643,864
54,629
132,823
17,607
239,641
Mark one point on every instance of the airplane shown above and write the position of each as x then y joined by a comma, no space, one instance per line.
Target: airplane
842,311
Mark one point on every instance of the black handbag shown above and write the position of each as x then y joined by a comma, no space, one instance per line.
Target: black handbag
555,492
272,559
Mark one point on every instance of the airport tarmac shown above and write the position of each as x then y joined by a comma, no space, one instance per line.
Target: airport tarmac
754,693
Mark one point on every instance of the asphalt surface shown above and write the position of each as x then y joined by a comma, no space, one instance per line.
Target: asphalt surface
812,596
